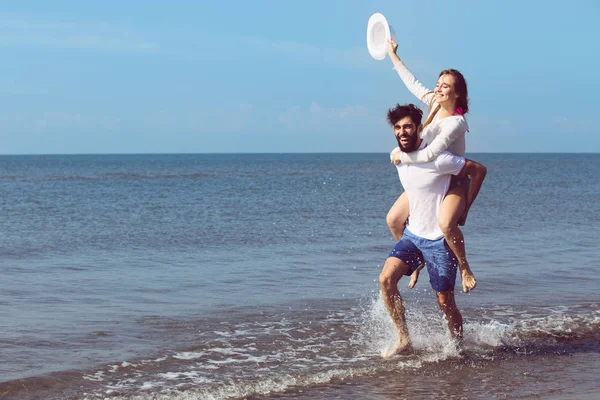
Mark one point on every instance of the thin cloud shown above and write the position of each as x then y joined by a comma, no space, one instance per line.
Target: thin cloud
338,113
19,31
220,120
354,57
573,126
250,118
350,57
317,115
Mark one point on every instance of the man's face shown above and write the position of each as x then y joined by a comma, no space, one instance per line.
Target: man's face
407,134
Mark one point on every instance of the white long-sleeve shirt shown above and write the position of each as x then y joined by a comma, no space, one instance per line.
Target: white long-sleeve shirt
440,135
426,185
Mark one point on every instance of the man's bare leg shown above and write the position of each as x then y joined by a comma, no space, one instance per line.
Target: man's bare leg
448,307
396,220
393,270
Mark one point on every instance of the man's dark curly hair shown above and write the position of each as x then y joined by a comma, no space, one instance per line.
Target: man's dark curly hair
408,110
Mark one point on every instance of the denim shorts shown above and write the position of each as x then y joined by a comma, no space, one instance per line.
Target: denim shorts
438,257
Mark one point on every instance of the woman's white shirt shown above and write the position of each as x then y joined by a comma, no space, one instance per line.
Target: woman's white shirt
445,134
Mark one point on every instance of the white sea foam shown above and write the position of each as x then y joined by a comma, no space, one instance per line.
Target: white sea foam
149,385
260,386
429,333
492,333
258,359
207,366
189,355
97,377
312,356
559,326
226,351
194,376
222,362
377,334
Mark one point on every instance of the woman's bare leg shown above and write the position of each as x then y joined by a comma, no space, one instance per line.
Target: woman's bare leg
451,211
397,216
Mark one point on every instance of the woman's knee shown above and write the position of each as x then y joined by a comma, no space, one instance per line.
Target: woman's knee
395,219
451,210
398,214
390,219
447,225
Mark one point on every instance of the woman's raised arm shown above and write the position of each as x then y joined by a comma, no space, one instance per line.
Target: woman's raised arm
421,92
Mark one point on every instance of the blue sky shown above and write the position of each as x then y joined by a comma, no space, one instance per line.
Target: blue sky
288,76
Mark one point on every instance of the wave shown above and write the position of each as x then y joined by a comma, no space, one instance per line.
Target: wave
263,354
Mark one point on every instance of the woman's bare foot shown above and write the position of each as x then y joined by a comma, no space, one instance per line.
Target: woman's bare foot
468,279
463,218
402,346
413,279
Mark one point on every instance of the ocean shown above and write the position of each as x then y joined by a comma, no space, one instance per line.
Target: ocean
255,276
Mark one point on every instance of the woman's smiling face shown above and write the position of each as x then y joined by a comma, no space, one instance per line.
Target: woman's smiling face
444,90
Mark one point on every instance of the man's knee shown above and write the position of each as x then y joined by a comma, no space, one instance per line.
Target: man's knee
386,280
391,273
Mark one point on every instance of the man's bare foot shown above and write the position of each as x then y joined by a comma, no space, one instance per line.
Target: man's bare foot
401,347
468,279
413,279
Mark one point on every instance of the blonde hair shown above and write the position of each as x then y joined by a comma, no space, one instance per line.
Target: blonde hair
432,113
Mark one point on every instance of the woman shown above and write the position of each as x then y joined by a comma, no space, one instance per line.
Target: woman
444,129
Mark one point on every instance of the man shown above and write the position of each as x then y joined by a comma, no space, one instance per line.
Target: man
423,241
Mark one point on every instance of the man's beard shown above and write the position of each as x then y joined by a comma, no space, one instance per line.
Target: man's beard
411,146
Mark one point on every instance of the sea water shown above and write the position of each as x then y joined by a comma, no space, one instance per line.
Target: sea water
256,276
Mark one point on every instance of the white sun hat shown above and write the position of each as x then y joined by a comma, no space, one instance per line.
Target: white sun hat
378,34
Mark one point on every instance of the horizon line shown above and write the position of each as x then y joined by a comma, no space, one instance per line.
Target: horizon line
268,152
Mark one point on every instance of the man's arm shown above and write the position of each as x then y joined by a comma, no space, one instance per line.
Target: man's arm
477,173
